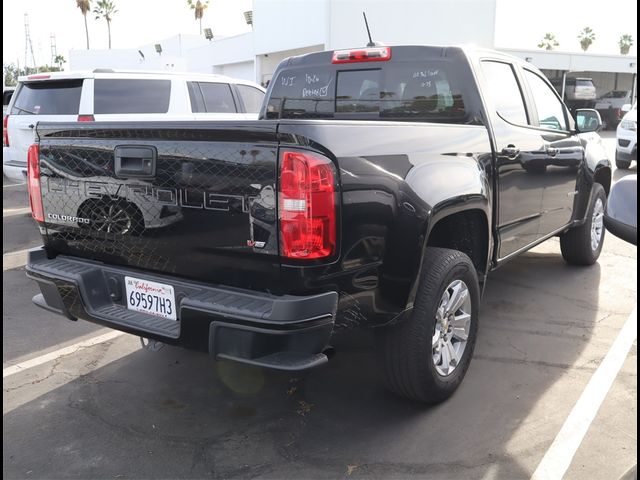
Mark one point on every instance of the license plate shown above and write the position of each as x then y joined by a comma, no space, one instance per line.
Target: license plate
150,297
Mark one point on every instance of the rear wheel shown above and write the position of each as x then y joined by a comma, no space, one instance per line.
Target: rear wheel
582,245
622,164
426,356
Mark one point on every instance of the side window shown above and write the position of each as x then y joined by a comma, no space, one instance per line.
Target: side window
251,97
218,97
111,95
195,95
505,91
550,109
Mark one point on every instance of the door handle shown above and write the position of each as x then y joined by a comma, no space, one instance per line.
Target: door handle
510,151
552,151
135,161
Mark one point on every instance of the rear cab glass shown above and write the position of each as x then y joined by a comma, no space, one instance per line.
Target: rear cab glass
419,84
134,96
51,97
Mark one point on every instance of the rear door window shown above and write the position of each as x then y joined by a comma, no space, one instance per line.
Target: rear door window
505,91
120,96
211,97
251,97
59,97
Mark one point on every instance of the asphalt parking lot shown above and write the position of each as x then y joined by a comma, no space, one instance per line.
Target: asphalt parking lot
109,409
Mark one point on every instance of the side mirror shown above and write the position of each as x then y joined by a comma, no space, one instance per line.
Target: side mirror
626,107
621,216
588,120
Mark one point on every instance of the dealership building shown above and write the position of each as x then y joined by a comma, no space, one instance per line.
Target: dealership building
284,28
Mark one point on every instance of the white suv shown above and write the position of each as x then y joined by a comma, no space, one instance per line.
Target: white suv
108,95
627,138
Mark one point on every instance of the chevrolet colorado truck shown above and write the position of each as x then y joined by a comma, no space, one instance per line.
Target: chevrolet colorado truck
379,188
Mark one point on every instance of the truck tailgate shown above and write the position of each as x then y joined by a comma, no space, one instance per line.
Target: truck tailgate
196,200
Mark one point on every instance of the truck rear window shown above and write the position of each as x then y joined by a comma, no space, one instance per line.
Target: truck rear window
112,96
60,97
418,91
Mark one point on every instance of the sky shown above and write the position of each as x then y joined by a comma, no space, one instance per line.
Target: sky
519,23
523,23
136,23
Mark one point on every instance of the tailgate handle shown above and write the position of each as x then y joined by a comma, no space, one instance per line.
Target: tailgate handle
135,162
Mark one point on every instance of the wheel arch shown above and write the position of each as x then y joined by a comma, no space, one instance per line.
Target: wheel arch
466,227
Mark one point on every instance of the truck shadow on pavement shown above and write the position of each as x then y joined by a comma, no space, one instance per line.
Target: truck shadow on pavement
179,414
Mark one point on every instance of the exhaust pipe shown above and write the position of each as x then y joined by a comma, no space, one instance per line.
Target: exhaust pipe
151,345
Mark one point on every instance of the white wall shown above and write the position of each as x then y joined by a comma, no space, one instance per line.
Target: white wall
286,24
243,70
577,62
176,46
221,52
267,63
92,59
411,22
125,60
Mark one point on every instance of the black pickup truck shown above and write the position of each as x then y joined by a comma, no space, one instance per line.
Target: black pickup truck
379,188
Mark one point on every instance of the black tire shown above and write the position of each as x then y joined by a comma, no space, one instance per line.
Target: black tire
405,349
622,164
575,244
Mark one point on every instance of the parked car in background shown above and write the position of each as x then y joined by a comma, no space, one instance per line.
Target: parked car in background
7,93
578,92
627,137
610,106
109,95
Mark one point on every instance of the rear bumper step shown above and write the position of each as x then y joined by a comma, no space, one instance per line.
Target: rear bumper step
280,332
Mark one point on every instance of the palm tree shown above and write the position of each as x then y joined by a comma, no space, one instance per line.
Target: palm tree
85,7
106,9
199,8
548,42
586,37
625,43
59,59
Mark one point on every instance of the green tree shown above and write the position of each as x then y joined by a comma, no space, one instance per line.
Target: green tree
85,7
199,7
625,43
12,72
548,42
586,37
59,60
106,9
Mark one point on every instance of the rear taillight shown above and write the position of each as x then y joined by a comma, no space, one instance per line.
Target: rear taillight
86,118
5,131
376,54
307,205
33,183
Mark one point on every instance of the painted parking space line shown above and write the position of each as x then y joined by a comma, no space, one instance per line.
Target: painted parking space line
48,357
558,458
12,212
13,185
11,260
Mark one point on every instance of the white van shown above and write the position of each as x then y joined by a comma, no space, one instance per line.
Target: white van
109,95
